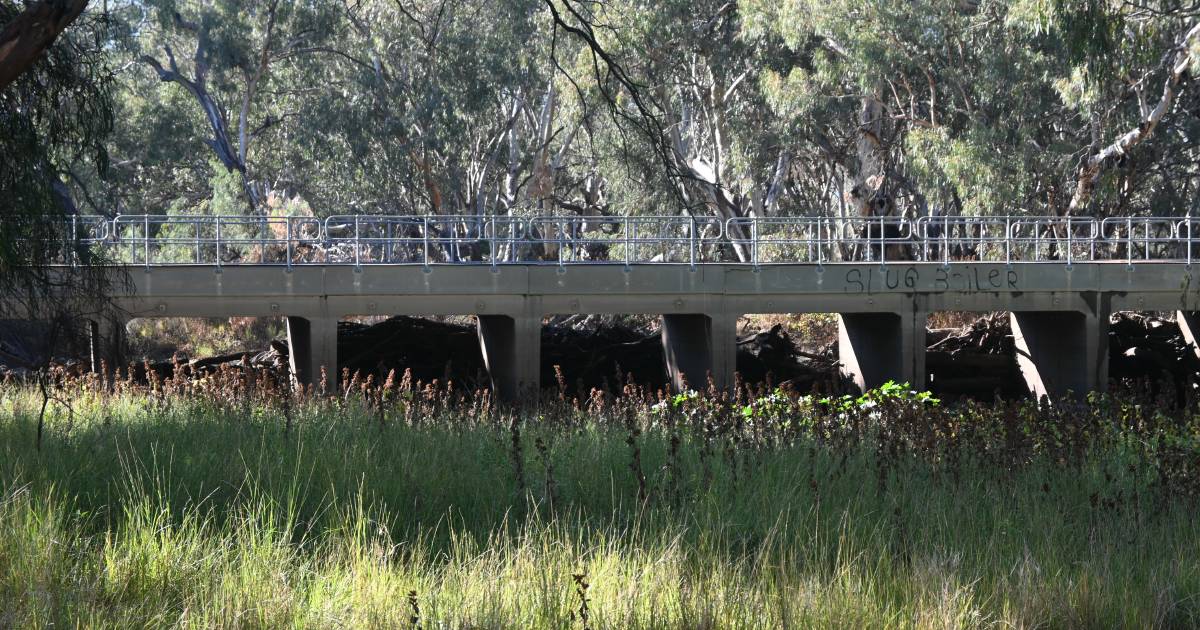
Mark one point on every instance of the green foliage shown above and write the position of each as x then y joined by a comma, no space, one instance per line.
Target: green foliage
421,106
55,120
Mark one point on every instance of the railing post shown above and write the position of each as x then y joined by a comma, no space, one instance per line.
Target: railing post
946,241
357,246
635,225
146,241
425,242
1188,223
1092,236
1129,241
808,241
70,256
1037,240
882,242
628,241
1070,243
561,244
492,223
326,242
218,220
73,249
820,247
754,241
692,243
288,247
1008,241
388,241
1147,237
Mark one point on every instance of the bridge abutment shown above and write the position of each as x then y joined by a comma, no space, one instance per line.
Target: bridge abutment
312,345
875,348
512,349
1061,352
698,346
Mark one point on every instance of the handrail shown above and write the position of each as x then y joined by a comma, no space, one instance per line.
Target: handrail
497,240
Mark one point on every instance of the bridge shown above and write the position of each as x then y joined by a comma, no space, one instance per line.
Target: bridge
1060,278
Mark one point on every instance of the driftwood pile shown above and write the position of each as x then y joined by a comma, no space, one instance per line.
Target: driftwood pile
1146,352
978,360
1150,353
771,356
433,350
576,355
274,358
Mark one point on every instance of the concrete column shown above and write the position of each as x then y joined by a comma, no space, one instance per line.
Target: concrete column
1061,351
875,348
723,341
312,345
512,353
1189,325
697,346
107,342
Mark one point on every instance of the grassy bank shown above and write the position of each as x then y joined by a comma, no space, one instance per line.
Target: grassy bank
213,506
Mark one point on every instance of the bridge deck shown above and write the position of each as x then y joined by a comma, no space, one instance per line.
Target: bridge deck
1060,311
339,290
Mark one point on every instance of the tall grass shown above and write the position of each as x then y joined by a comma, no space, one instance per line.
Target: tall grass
218,505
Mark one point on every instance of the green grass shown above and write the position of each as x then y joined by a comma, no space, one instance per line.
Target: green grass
204,510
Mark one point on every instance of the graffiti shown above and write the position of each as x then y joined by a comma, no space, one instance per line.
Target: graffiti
965,279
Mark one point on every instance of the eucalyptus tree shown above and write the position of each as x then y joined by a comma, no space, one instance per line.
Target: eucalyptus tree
721,108
683,78
992,107
454,110
955,106
241,63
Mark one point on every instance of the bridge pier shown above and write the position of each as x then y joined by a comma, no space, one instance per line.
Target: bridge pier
106,342
1061,352
697,346
877,347
512,352
312,345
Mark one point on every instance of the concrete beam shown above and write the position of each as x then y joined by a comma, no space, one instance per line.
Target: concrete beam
1061,352
312,346
699,346
512,352
878,347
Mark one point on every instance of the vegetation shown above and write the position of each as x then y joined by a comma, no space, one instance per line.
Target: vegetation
56,113
231,502
567,107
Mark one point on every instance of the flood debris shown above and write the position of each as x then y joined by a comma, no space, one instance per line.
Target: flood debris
1147,353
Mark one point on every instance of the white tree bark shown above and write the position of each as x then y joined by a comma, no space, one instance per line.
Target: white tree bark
1093,165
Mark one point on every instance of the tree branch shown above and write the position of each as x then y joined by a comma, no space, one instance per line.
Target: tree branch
34,30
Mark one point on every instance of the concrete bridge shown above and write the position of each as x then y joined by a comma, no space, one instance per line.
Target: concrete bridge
1059,278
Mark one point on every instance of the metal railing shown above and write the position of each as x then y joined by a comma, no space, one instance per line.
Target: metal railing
572,240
